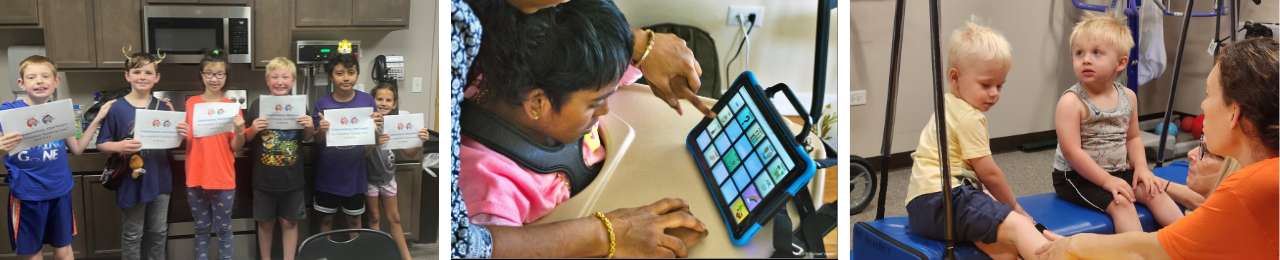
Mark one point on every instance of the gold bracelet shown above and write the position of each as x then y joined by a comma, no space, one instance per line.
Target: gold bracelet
609,227
646,49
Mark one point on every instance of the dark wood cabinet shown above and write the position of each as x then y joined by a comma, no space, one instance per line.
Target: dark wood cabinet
408,200
359,13
380,13
323,13
104,216
19,12
242,2
69,37
272,36
87,34
226,2
118,26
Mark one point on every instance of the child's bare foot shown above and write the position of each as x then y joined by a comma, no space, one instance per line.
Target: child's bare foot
1050,235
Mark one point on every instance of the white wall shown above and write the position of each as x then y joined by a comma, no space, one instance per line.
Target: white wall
1038,32
417,44
782,50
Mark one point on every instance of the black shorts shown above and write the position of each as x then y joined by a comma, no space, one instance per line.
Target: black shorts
977,216
1073,187
328,203
289,205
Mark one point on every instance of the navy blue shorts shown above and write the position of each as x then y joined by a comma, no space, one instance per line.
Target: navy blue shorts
35,223
976,217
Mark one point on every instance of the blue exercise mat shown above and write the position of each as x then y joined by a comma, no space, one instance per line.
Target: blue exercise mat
891,238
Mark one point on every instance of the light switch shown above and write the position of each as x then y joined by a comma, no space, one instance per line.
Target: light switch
417,84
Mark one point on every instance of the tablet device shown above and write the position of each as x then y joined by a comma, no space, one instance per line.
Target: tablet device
748,158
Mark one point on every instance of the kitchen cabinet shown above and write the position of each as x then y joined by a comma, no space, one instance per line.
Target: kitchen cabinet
69,33
319,13
104,216
353,13
380,13
272,36
19,12
77,206
118,26
242,2
408,199
85,34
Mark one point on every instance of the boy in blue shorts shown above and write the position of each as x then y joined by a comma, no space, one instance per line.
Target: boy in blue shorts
978,60
39,177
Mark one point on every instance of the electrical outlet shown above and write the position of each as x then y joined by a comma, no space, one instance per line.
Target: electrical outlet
858,98
745,11
360,87
417,84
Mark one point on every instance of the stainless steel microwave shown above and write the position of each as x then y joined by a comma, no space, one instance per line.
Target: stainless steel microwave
183,33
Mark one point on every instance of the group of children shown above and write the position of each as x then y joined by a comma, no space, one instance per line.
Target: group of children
40,178
1100,162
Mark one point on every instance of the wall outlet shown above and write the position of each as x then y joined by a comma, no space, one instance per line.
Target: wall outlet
360,87
417,84
858,98
745,11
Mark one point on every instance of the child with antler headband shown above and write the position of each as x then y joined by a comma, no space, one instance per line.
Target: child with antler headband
39,177
144,199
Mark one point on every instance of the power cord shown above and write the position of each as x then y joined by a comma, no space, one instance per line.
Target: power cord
746,32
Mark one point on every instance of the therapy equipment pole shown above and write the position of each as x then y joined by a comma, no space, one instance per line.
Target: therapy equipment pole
1173,87
940,121
886,144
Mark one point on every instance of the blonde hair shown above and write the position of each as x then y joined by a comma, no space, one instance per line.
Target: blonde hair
282,63
973,42
1110,27
36,59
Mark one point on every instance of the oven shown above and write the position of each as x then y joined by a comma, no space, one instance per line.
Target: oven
183,33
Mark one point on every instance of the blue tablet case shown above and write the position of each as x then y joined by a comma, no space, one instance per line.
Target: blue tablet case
755,109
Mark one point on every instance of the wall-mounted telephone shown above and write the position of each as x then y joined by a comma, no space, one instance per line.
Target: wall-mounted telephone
388,68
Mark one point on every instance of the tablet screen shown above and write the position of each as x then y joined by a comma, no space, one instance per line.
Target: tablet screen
744,156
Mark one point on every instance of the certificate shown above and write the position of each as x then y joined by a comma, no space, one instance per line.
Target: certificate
158,129
39,124
350,126
403,130
282,112
213,118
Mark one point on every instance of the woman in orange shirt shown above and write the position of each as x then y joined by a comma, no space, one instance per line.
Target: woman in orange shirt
211,175
1242,219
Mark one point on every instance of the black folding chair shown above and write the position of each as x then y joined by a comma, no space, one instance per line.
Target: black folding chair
368,244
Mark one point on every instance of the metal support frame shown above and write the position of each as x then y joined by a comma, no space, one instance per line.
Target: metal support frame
886,144
940,122
820,58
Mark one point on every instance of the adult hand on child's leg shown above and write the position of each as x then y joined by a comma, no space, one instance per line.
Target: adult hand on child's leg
1147,180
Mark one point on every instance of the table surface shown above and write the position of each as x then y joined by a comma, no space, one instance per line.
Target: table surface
648,161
